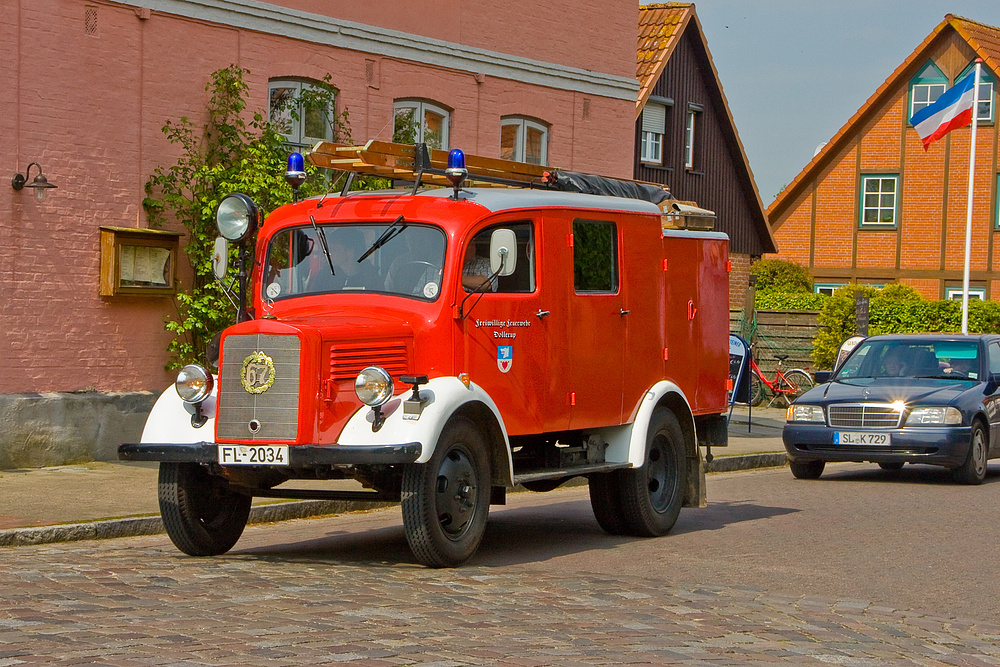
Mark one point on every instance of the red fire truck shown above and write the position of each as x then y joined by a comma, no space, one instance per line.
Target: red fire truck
442,345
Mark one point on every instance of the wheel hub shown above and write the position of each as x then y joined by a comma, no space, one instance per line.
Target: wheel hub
456,492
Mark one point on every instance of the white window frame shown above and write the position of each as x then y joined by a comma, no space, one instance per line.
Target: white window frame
955,293
654,121
297,136
931,91
826,288
690,132
420,107
878,206
523,124
985,92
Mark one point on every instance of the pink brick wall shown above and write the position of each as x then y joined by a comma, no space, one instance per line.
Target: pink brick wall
90,108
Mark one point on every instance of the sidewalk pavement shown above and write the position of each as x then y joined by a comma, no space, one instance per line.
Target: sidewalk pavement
117,499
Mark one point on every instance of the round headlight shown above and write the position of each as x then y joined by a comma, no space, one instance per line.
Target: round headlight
237,217
373,386
194,384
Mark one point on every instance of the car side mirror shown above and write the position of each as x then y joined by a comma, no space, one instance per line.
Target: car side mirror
822,376
503,252
992,382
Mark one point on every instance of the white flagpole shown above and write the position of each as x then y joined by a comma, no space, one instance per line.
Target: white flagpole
968,206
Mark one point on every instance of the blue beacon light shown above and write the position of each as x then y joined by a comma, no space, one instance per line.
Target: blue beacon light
295,175
456,171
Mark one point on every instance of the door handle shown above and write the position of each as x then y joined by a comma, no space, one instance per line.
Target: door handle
625,312
542,313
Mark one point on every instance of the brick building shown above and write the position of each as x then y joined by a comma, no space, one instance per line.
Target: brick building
874,207
686,138
90,83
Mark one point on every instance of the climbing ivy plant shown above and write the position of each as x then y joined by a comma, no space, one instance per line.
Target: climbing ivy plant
233,152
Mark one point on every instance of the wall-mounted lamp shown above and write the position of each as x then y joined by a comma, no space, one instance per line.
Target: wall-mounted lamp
40,183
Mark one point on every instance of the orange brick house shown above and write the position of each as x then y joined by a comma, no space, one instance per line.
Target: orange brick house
685,136
874,207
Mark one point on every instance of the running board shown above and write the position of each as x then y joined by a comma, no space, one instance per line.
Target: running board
321,494
561,473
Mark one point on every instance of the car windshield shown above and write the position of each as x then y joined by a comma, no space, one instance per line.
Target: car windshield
942,359
324,259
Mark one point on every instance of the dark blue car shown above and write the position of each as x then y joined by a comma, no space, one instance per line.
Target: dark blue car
920,398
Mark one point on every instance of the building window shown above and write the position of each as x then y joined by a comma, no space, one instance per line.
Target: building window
301,111
985,110
690,134
826,288
654,123
523,140
595,257
416,121
955,293
926,87
879,199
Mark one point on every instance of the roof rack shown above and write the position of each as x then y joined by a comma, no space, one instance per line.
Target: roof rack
423,166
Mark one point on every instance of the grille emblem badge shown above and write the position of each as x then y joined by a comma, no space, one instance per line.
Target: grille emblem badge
257,375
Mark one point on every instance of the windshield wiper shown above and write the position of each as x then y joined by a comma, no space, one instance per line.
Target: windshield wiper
322,241
391,232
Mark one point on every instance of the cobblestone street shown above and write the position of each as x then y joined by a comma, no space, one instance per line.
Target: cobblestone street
282,600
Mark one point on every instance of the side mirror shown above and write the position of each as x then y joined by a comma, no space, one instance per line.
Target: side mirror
220,258
822,376
503,252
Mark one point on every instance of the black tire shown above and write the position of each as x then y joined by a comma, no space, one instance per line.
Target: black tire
798,382
651,496
445,501
202,515
605,499
891,465
807,469
756,389
973,471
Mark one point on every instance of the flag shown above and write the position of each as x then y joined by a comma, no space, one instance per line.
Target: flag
952,110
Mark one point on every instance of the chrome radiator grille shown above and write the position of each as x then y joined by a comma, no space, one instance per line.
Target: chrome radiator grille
274,411
864,415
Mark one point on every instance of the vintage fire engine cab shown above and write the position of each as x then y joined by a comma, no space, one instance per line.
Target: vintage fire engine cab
441,345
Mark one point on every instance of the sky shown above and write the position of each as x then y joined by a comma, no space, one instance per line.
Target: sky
795,71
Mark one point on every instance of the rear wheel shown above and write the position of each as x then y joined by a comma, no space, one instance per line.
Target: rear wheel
202,515
756,389
446,500
796,383
807,469
973,471
651,496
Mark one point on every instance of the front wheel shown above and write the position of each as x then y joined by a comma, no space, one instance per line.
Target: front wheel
651,496
973,471
796,383
446,500
202,515
807,469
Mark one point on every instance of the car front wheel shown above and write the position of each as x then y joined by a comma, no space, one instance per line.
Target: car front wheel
973,471
807,469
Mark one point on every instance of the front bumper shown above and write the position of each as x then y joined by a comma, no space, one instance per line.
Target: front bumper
944,446
299,456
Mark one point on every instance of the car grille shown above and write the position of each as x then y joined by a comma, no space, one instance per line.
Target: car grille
864,415
276,409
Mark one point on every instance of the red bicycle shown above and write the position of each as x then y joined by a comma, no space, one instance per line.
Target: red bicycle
785,385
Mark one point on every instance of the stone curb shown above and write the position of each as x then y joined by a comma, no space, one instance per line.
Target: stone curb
152,525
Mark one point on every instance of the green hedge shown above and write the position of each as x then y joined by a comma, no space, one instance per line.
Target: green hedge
789,300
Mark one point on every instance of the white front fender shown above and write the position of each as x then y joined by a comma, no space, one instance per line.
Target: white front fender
444,396
170,420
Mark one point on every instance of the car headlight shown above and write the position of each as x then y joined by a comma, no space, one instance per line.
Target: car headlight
373,386
934,417
804,413
194,384
237,217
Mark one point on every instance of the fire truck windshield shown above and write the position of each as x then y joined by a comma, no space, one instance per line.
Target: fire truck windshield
407,264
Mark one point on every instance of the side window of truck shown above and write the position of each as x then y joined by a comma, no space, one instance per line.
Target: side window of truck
595,257
523,278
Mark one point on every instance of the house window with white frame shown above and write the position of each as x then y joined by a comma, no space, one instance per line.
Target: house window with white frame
524,140
984,112
879,199
926,87
654,123
826,288
955,293
690,134
418,121
298,110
